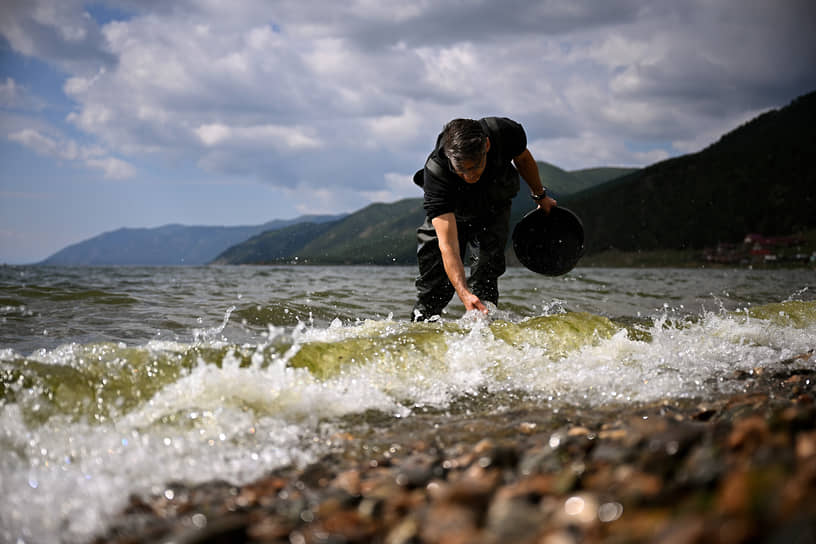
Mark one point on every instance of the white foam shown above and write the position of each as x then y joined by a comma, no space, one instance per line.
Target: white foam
680,361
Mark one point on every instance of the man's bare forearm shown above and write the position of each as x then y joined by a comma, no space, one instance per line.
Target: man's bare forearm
527,167
455,269
448,237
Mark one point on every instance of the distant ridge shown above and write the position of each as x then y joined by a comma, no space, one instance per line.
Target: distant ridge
166,245
376,234
273,246
561,182
596,176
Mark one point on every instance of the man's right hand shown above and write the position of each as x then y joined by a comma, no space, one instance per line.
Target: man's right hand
446,232
472,302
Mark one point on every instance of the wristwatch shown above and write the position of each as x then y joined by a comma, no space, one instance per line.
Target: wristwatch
540,196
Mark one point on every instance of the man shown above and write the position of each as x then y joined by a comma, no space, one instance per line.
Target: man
469,182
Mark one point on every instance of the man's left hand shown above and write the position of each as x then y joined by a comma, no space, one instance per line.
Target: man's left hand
547,204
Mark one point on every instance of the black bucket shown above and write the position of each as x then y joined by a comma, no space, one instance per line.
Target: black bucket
550,244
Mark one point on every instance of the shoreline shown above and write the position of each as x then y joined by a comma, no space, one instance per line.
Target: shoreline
737,468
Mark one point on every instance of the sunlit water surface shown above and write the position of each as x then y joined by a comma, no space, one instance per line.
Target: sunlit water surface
120,380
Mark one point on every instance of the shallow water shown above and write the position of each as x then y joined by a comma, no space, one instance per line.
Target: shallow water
121,380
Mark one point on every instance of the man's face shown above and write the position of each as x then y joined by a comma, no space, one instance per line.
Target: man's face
470,170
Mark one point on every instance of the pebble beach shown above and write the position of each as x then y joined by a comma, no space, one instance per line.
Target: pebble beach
735,469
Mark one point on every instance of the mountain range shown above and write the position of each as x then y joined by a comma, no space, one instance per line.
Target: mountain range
166,245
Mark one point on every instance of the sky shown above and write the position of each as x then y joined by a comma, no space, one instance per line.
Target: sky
142,113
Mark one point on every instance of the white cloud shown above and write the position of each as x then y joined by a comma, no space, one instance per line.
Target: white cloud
454,70
262,136
213,134
396,186
51,147
36,141
112,168
397,11
396,129
58,32
9,93
14,96
590,149
68,150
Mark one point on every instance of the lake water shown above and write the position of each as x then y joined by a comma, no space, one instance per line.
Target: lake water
121,380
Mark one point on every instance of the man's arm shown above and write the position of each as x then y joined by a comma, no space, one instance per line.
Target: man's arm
527,167
447,234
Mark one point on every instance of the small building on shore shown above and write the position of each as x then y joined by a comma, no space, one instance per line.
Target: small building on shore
758,249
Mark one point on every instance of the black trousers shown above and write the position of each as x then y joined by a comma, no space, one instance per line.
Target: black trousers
486,238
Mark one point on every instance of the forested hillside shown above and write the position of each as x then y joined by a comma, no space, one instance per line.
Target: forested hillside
760,178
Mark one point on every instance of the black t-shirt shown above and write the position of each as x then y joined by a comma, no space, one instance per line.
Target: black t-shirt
497,186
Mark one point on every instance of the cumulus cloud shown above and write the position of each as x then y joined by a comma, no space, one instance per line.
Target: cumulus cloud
68,150
112,167
349,96
51,147
59,32
260,136
395,186
14,96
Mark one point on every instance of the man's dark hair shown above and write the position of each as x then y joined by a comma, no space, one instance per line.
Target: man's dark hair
464,140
